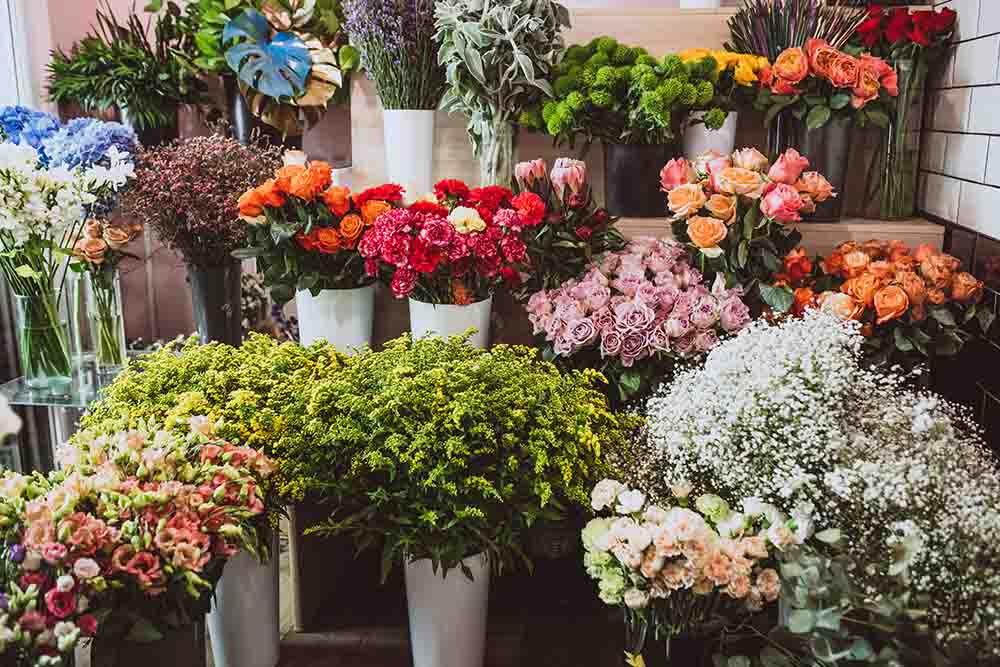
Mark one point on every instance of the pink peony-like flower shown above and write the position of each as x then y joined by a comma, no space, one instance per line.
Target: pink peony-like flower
61,604
769,584
53,553
750,158
87,624
705,340
86,568
734,315
705,312
611,344
145,567
403,282
632,316
782,203
788,168
32,621
676,173
677,326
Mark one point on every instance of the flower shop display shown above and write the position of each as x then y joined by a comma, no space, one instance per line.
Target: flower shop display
304,233
734,212
145,71
914,306
291,58
432,450
574,230
187,193
634,314
449,256
712,126
41,212
688,567
633,103
790,414
910,41
398,52
822,92
498,59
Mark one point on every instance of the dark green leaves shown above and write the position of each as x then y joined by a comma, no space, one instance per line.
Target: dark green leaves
818,117
780,299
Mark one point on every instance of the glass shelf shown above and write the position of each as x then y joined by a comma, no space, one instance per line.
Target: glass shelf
84,391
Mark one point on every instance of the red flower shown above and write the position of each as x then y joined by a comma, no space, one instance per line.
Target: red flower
307,243
60,604
530,207
389,192
371,267
900,24
490,197
451,189
511,276
403,282
944,20
424,258
429,208
584,232
871,29
88,625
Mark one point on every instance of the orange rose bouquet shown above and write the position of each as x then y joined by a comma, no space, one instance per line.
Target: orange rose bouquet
913,305
304,231
735,212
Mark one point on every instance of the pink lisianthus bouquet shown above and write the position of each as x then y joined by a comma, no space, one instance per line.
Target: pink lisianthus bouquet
574,229
634,314
135,528
455,250
735,214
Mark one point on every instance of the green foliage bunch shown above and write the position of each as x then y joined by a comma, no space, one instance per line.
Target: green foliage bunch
620,94
434,449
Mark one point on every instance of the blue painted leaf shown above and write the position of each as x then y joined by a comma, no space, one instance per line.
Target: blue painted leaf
276,66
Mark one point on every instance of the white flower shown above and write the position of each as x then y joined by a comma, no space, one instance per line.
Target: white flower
681,490
65,583
10,423
636,599
655,515
733,525
605,494
630,502
465,220
86,568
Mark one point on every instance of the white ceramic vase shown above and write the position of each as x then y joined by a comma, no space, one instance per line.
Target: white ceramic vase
409,150
698,139
342,317
448,613
700,4
429,319
243,620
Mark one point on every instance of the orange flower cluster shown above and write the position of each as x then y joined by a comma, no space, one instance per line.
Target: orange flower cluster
887,277
302,182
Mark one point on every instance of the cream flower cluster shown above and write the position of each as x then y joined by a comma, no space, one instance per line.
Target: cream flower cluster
787,413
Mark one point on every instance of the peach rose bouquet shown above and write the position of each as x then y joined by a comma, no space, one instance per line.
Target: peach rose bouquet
305,231
734,212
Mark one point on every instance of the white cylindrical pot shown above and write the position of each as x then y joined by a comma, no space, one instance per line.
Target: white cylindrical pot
700,4
342,317
409,150
448,613
437,319
243,620
698,139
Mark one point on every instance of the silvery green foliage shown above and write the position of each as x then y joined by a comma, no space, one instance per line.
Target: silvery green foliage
498,55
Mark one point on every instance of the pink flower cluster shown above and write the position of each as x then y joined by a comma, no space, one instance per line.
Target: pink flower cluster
643,301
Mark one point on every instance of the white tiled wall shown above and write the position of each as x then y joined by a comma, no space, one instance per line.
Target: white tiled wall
961,145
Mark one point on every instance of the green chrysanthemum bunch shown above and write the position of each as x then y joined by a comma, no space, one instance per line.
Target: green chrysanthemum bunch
621,94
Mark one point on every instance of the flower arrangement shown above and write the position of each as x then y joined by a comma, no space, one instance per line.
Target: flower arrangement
398,52
621,95
24,126
305,231
767,27
574,230
634,313
291,58
789,414
904,33
498,59
734,212
432,449
456,250
817,82
187,193
913,305
737,80
683,568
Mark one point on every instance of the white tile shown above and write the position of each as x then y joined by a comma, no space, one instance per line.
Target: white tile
939,196
993,163
935,144
966,156
984,115
952,110
989,17
978,208
976,62
968,18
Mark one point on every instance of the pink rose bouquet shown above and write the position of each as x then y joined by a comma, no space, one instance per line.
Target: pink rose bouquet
735,212
130,537
574,229
635,313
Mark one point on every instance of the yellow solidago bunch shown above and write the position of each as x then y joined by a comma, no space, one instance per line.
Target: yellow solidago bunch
743,66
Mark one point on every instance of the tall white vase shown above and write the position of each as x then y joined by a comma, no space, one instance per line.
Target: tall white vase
409,150
700,4
342,317
429,319
448,613
698,139
243,621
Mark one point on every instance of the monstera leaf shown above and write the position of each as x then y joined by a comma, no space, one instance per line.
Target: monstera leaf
276,66
288,14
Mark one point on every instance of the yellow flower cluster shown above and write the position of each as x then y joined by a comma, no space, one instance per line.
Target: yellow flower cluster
745,66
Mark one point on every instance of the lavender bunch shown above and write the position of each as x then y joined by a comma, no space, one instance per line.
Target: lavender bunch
396,41
768,27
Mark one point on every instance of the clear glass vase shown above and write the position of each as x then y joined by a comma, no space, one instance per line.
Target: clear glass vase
43,341
496,154
901,143
105,321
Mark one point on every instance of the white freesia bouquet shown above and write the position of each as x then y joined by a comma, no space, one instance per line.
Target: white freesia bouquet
788,414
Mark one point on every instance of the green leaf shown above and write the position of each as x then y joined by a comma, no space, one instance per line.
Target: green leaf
630,382
743,254
818,117
839,101
143,632
878,118
944,316
750,221
349,57
902,342
26,271
829,536
801,621
780,299
153,6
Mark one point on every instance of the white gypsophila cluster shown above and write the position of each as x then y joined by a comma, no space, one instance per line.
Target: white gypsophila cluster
49,202
789,414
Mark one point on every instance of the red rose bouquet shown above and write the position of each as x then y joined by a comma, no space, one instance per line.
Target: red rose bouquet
455,250
304,231
573,230
904,33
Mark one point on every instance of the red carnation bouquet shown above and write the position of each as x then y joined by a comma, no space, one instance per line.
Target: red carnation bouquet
903,33
455,249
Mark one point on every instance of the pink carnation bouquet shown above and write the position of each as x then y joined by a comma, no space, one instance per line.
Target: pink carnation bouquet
129,538
635,313
735,212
